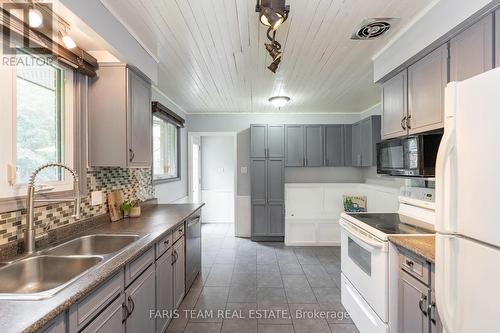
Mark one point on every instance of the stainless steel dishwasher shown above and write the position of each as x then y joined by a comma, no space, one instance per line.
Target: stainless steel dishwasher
193,249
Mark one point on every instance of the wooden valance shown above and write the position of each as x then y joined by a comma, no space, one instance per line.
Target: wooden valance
161,111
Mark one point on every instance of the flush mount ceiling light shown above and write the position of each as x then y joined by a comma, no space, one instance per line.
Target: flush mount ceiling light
272,13
279,101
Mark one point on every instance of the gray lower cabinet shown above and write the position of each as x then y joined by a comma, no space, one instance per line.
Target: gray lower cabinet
111,320
179,271
140,299
412,305
427,79
267,198
267,141
334,145
119,96
394,106
294,146
365,136
164,289
471,51
313,143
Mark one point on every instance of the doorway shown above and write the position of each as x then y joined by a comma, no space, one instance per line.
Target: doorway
212,175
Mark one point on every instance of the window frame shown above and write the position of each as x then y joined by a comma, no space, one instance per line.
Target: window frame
160,180
75,103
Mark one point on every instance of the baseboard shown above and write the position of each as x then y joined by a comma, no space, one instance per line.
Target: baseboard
268,238
312,243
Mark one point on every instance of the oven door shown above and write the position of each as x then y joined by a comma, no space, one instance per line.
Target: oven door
365,263
400,157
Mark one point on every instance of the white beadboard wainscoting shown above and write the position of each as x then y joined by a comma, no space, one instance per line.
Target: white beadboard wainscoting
219,206
313,210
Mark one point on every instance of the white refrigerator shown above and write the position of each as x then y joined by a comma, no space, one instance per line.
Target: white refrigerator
468,207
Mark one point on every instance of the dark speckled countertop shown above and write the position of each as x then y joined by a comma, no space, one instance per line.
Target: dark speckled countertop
30,316
423,246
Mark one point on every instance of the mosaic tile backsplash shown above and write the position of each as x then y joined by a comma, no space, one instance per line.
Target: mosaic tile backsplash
135,183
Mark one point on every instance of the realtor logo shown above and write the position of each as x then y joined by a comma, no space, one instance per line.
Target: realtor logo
26,25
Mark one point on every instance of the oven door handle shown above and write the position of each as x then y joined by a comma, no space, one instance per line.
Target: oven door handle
353,232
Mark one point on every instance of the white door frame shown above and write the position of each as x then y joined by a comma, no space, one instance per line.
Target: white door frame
234,135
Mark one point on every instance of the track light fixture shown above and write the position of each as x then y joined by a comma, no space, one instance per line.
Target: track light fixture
272,13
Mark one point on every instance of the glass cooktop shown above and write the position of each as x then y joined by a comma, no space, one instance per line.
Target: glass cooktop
389,223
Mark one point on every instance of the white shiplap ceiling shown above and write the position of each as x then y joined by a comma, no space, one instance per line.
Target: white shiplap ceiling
212,58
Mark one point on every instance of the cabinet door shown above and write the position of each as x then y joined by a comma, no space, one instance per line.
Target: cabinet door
258,172
356,145
164,289
427,79
110,320
140,298
275,178
294,145
366,143
334,145
275,141
394,106
260,220
139,122
258,140
276,219
179,272
412,305
313,145
471,52
347,145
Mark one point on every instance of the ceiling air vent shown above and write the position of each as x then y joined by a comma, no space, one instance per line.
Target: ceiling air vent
372,28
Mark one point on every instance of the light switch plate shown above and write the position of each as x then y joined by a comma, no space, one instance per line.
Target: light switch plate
96,198
244,170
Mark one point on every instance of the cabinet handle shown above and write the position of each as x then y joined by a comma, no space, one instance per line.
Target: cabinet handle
125,312
403,123
408,122
431,311
409,263
132,154
423,298
132,305
173,258
166,242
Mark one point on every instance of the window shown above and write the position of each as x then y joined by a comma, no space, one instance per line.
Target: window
37,106
165,150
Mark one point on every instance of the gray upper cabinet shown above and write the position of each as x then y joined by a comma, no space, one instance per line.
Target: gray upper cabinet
294,146
258,140
313,135
275,141
394,106
471,52
334,145
120,119
267,141
347,145
140,298
427,79
365,136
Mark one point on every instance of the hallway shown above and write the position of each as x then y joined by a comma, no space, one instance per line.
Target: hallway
241,279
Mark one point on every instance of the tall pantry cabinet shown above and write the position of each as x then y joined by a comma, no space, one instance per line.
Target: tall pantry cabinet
267,177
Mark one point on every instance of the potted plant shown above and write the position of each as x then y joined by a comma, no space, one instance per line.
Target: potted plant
130,209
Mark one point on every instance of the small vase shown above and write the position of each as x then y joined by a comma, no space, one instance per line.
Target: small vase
135,212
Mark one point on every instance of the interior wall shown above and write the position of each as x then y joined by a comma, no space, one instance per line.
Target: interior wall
178,189
217,178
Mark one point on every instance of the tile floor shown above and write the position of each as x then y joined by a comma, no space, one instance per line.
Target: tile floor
263,287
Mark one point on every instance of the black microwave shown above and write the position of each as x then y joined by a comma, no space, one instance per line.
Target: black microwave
412,156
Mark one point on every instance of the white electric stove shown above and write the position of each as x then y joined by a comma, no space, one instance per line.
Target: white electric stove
368,262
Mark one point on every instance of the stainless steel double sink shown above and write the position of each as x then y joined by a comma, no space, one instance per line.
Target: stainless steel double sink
48,271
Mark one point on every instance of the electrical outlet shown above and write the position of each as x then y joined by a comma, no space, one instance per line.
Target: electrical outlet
96,198
244,170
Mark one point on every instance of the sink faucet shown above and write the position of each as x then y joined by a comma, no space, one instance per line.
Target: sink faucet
29,233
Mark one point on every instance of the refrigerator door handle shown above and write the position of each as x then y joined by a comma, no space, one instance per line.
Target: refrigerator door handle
446,166
447,282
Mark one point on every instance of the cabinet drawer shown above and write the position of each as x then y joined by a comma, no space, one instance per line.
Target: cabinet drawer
82,312
163,245
178,232
139,265
416,267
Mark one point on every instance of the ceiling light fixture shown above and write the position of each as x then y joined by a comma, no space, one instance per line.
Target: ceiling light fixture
279,101
35,18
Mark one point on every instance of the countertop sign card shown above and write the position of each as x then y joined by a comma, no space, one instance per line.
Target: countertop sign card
115,200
